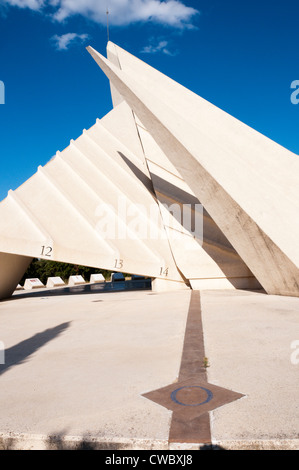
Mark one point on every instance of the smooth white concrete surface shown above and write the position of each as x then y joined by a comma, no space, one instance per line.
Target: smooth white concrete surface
244,180
201,251
33,283
82,362
94,278
248,341
76,280
55,282
161,285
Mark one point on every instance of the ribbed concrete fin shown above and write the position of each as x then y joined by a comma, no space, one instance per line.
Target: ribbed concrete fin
62,211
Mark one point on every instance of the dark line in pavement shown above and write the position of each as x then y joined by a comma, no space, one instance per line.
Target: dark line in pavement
196,428
193,354
191,397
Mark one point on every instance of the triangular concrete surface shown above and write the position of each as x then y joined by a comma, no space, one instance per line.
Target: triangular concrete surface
206,259
246,182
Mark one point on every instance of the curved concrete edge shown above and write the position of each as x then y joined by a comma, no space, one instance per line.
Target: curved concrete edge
12,269
16,441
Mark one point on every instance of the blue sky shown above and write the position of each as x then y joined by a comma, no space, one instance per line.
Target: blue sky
240,55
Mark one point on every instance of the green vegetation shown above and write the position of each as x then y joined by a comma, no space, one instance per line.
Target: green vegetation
42,269
206,362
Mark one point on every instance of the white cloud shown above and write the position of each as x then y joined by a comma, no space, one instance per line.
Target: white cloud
162,46
32,4
124,12
63,42
121,12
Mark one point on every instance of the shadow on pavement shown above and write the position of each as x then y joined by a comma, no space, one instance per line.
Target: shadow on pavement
19,353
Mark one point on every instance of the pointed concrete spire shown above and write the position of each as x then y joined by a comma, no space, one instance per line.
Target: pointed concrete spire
247,183
203,255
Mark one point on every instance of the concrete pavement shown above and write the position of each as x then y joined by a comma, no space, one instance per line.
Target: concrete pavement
76,367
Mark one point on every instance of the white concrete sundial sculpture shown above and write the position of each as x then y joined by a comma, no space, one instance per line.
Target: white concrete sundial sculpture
160,145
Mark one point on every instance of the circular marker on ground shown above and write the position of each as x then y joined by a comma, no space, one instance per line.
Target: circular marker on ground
206,390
